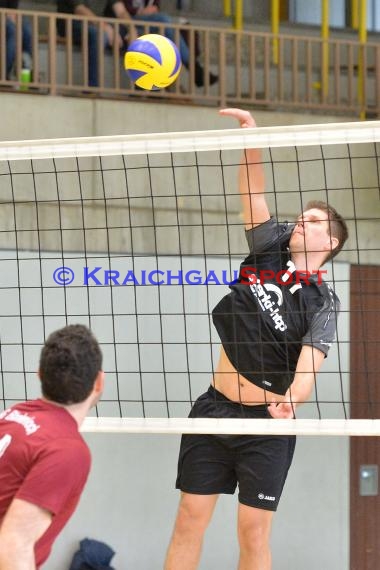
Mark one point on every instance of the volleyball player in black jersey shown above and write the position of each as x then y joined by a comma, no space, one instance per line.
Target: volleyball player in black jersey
276,326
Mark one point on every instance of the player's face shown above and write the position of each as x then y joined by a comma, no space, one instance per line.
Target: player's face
312,232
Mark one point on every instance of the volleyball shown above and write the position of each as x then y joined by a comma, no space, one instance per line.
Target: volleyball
152,62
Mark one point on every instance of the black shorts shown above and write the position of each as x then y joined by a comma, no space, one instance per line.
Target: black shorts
213,464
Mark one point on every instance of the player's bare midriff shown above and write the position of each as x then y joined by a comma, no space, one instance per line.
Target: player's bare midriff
237,388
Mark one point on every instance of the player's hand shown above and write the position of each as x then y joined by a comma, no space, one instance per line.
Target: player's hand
284,410
148,10
244,117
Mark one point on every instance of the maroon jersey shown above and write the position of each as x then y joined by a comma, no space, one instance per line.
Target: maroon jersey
43,460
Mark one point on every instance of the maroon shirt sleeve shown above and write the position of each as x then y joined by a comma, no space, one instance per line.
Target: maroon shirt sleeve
59,473
55,483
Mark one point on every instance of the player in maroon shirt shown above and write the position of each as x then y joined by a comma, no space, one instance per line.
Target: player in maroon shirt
44,461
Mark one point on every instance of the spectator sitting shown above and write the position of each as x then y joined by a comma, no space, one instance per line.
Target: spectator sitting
10,35
149,11
85,8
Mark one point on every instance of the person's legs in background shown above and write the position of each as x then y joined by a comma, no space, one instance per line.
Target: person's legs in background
27,47
92,46
10,32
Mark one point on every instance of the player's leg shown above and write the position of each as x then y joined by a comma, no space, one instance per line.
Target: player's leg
92,47
205,470
193,517
254,527
262,466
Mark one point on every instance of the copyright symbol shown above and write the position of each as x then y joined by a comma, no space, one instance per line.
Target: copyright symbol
63,276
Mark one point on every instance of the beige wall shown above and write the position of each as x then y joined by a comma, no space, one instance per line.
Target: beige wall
39,116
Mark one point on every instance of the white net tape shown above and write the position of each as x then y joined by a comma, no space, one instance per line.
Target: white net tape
194,141
233,426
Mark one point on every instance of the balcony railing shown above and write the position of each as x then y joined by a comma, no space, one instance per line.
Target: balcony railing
291,72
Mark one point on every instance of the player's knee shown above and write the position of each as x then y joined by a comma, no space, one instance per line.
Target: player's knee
254,535
191,518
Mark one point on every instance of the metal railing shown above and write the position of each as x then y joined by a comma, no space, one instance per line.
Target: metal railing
254,68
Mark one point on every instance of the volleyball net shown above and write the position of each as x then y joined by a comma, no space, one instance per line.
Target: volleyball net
139,236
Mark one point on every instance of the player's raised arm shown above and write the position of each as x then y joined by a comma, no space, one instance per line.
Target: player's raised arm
251,176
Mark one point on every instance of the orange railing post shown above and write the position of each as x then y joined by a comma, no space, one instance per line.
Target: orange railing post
275,20
362,58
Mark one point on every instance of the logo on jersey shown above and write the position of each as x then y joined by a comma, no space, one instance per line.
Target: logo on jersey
26,421
270,299
263,497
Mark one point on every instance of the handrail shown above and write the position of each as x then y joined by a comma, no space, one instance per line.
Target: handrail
243,61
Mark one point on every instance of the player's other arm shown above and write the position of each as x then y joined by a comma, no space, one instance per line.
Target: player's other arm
83,10
122,13
22,526
309,362
251,176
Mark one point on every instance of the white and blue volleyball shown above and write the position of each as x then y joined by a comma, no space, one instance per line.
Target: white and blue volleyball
153,62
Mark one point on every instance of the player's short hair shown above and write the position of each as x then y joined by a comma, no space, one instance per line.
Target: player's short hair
337,225
69,363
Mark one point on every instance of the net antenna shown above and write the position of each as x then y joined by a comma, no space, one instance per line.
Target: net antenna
138,236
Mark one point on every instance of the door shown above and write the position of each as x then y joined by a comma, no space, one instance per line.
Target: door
365,403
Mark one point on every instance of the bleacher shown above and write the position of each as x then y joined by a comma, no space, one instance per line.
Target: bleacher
243,60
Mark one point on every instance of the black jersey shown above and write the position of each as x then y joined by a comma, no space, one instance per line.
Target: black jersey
272,311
